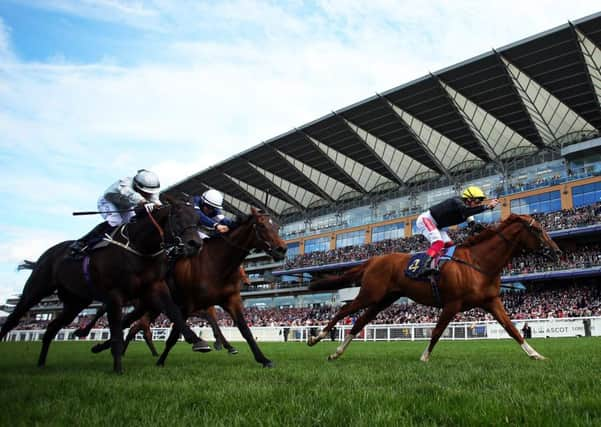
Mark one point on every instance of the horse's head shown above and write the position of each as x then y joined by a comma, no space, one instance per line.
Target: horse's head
266,235
180,226
535,238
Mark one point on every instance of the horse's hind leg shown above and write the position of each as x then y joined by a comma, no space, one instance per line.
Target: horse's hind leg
70,310
446,315
37,287
346,310
369,315
496,308
114,307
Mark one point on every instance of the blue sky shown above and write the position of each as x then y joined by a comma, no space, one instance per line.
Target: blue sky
92,90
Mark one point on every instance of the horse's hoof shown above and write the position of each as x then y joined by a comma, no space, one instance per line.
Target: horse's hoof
232,351
201,346
538,357
155,354
311,342
268,364
97,349
161,363
118,371
217,346
333,356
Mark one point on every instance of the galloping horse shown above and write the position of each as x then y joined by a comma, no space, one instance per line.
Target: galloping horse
212,277
132,266
471,279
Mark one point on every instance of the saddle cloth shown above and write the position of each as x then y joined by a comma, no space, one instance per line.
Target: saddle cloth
417,263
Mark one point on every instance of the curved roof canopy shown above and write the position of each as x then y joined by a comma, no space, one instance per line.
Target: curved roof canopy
509,102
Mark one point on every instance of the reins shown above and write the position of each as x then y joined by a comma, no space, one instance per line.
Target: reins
164,248
528,228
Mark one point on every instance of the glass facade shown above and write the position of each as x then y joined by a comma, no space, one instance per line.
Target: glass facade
350,239
546,202
489,217
587,194
319,244
390,231
293,250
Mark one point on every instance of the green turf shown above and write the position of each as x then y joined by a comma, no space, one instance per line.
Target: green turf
373,384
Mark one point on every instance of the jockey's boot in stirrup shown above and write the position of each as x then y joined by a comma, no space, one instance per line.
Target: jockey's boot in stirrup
77,249
430,266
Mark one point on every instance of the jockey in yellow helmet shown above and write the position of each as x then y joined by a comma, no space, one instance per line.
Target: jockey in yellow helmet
452,211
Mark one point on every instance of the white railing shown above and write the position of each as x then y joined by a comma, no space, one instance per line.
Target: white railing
541,328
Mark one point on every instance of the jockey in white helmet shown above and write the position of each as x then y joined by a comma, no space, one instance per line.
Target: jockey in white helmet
117,203
209,212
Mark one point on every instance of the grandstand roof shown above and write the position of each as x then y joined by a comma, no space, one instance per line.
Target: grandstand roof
503,104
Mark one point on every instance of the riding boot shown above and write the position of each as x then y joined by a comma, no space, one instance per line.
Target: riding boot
430,266
79,247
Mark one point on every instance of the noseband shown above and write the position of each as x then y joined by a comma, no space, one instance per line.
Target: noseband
268,246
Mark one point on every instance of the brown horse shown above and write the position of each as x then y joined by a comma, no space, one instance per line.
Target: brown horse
213,276
132,266
472,279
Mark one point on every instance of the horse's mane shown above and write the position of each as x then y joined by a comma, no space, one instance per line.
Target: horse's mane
489,232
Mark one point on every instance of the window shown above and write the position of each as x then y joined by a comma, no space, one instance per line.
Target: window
293,250
390,231
546,202
414,227
319,244
587,194
488,216
350,239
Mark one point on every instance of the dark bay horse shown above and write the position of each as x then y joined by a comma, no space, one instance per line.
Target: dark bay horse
132,266
473,280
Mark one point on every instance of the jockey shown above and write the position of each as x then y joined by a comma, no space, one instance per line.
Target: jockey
117,203
209,212
452,211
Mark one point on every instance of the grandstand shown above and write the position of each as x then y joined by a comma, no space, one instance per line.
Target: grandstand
522,121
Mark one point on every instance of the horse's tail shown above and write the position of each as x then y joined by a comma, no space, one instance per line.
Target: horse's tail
38,285
344,280
26,265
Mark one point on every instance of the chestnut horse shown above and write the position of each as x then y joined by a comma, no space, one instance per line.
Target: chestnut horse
471,279
132,266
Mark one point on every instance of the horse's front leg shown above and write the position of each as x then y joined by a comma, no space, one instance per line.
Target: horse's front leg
159,298
496,308
220,341
235,308
114,309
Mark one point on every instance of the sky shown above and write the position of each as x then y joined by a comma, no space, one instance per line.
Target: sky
93,90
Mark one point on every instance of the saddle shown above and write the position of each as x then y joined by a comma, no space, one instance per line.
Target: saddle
417,264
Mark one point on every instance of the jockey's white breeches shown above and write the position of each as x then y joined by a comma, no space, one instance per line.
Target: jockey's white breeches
113,218
427,227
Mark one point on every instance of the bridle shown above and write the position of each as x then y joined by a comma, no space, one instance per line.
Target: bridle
529,227
261,240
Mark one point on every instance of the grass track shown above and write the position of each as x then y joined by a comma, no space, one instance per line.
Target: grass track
373,384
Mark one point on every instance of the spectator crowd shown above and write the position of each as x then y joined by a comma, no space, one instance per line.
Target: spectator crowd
556,302
551,221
